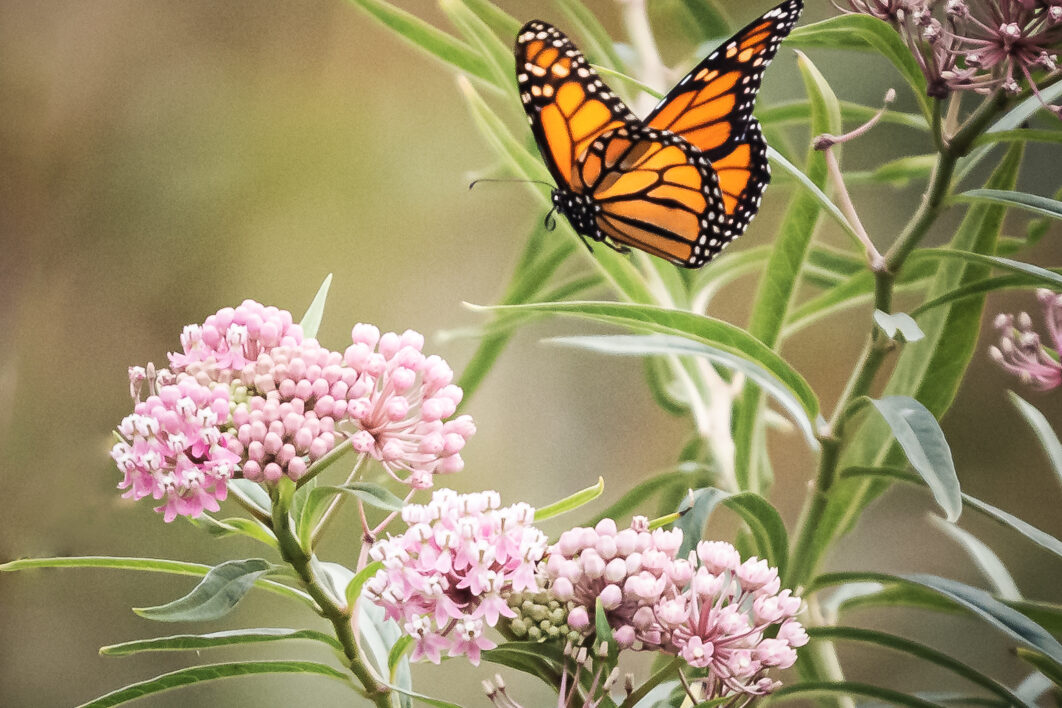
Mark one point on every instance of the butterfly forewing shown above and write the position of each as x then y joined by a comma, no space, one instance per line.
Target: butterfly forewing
654,191
711,108
567,103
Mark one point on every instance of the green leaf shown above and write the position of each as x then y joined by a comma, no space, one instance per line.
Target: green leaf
215,595
572,502
800,112
896,172
1040,538
1042,275
636,499
1013,119
981,287
777,293
538,659
1021,135
211,672
235,526
642,345
763,520
353,589
697,328
497,54
252,494
1048,440
311,320
709,16
898,322
398,652
501,21
195,642
427,38
437,702
153,565
1042,206
848,689
1051,669
603,632
987,562
862,32
317,503
922,441
994,612
814,190
919,651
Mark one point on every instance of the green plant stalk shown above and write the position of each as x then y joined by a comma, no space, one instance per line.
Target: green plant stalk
331,609
806,553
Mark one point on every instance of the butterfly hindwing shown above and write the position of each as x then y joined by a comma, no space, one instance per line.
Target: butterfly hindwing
566,102
653,191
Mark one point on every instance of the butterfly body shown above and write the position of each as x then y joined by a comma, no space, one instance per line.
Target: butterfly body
683,183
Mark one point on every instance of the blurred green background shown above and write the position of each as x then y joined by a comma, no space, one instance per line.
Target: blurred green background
161,160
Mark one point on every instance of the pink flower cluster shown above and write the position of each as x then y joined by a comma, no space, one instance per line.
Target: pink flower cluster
1020,350
446,578
173,447
711,609
288,401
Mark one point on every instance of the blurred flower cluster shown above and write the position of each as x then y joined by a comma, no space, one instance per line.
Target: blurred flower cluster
978,46
1022,352
250,397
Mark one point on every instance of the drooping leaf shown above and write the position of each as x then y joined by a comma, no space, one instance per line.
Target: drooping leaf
849,689
319,499
501,21
571,502
215,595
800,112
211,672
984,558
497,55
311,320
1012,120
763,520
919,434
196,642
642,345
353,589
1048,439
636,500
1051,669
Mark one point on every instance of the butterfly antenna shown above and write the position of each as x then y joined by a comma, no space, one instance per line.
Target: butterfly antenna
474,182
550,222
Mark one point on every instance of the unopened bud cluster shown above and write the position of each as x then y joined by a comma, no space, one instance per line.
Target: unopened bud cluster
539,617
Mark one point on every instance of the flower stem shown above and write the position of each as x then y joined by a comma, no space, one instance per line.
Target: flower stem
331,608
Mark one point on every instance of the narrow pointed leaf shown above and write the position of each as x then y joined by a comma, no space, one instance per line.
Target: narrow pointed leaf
501,21
854,113
427,38
353,589
497,54
898,322
636,500
572,502
697,328
814,190
1042,206
311,321
251,493
153,565
862,32
212,672
763,520
849,689
1013,119
1051,669
1042,428
994,612
215,596
984,558
1024,135
196,642
922,441
642,345
1043,276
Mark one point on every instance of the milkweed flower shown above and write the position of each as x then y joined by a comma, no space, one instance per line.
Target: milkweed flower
1022,352
712,609
260,401
400,402
447,577
174,447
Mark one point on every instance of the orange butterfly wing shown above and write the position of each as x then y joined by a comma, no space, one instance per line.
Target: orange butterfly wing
652,190
566,102
711,108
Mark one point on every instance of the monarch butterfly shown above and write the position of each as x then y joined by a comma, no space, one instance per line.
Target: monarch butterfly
681,184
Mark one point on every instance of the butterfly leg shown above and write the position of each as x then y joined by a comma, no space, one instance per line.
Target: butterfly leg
617,247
